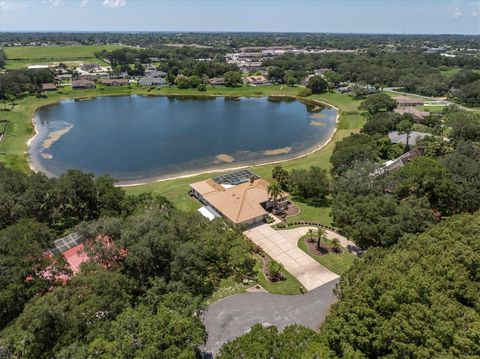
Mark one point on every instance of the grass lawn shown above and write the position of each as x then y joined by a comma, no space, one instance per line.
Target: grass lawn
337,263
22,56
289,286
454,70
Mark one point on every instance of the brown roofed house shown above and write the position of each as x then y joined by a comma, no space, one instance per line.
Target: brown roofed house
83,84
114,82
49,87
246,203
416,114
257,80
407,101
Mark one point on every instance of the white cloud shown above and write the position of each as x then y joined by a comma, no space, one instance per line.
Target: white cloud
114,3
9,6
457,13
475,14
83,3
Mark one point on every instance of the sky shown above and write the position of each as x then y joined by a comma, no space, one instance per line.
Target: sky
334,16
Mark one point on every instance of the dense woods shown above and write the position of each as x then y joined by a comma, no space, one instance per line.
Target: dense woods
160,266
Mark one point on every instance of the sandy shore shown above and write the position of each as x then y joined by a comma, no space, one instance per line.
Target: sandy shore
36,166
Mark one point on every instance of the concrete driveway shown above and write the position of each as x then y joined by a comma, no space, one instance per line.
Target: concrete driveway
233,316
281,245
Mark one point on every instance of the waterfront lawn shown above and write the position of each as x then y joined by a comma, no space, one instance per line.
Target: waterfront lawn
23,56
337,263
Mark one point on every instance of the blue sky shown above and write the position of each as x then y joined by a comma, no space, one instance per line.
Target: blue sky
357,16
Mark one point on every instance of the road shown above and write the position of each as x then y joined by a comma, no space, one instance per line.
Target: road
233,316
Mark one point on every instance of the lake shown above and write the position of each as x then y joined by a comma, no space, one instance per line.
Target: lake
140,138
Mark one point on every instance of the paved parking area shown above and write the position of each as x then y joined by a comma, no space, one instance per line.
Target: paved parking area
233,316
281,245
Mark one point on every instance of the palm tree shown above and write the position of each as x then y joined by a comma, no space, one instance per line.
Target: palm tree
274,190
310,232
321,236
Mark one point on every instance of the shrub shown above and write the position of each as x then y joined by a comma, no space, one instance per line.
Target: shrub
304,92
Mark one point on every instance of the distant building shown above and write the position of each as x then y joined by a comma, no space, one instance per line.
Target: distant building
82,84
400,161
90,67
413,137
407,101
155,73
89,77
114,82
49,87
63,77
151,81
216,81
417,115
322,71
256,80
37,67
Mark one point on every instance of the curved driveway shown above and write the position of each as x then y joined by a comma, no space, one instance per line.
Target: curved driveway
233,316
281,245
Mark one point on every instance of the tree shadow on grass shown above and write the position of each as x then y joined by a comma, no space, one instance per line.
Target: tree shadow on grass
313,202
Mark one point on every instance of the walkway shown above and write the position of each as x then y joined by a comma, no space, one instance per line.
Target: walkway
233,316
281,245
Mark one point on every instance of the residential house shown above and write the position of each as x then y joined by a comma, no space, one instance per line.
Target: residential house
114,82
417,115
322,71
49,87
413,137
151,81
82,84
405,101
217,81
155,73
257,80
401,161
241,197
89,77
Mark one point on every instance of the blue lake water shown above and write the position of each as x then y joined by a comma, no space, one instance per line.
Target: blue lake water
135,138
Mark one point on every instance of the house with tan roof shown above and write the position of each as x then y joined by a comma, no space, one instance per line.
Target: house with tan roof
242,199
408,101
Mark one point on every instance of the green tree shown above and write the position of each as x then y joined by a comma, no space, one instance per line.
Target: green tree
405,126
356,148
317,84
274,190
232,78
399,302
280,175
378,102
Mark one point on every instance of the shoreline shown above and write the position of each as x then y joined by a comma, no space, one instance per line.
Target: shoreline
36,166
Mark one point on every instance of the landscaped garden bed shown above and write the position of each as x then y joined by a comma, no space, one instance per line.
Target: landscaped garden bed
338,260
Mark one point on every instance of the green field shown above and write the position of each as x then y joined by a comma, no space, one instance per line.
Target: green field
453,70
337,263
23,56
